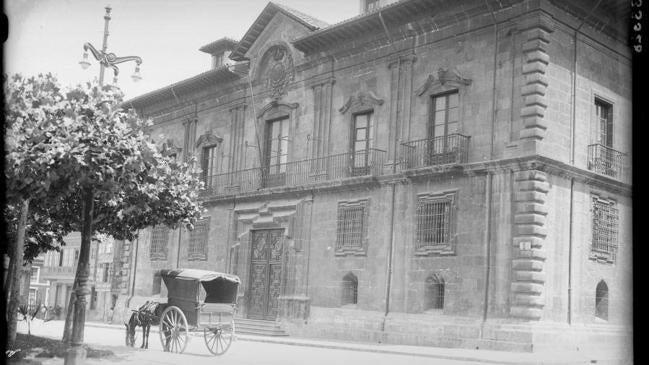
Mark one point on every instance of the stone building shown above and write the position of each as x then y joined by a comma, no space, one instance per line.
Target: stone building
427,172
58,270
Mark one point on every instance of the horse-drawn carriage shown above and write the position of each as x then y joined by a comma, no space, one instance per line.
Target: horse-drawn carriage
196,300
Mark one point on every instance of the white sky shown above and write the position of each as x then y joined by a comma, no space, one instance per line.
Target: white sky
48,35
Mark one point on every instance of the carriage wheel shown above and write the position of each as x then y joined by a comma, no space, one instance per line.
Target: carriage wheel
173,330
218,339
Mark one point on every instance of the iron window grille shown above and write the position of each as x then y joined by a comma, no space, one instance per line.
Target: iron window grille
197,250
159,242
351,232
436,216
605,230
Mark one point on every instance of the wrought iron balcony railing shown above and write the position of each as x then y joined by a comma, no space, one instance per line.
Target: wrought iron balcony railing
341,166
450,149
607,161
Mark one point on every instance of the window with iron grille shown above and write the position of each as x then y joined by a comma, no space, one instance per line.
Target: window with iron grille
197,249
605,229
352,228
159,242
436,224
350,289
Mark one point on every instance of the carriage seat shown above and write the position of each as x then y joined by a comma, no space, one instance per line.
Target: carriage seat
216,308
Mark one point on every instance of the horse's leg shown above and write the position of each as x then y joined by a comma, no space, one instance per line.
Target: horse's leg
143,334
148,329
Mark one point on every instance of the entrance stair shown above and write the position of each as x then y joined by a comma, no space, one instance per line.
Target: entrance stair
258,327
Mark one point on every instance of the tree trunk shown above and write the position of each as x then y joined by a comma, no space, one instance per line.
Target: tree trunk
83,272
15,274
67,328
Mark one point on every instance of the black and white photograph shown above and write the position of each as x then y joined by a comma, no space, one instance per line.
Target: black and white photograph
320,182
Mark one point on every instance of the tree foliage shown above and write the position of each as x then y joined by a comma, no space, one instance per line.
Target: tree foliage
62,141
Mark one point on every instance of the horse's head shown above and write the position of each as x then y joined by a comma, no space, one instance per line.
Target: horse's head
130,330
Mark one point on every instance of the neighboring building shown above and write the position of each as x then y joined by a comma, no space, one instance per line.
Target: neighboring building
425,173
59,269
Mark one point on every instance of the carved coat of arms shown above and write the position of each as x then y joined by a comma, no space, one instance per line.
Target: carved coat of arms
279,70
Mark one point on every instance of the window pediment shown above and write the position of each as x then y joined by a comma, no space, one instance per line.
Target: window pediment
361,101
444,81
169,148
208,139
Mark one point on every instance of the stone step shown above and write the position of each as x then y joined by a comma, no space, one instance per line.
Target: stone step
259,327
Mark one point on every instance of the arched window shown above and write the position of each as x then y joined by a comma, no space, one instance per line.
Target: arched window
601,300
350,289
434,293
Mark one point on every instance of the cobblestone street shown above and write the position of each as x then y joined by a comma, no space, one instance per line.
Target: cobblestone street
250,350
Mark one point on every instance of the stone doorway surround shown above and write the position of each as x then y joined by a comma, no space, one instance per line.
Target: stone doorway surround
292,215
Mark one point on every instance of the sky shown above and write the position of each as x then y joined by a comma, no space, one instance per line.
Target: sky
48,35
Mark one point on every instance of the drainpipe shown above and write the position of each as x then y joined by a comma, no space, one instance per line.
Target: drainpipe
570,239
308,255
390,256
488,198
493,89
180,231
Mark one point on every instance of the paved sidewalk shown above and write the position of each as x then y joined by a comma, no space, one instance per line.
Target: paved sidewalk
483,356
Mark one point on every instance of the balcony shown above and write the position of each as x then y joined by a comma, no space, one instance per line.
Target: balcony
606,161
450,149
298,173
58,272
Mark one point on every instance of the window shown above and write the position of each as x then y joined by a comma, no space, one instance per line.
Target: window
605,229
276,152
32,297
361,143
105,273
208,164
277,143
350,289
371,5
443,126
604,123
351,227
93,298
435,224
157,284
159,242
61,253
434,293
217,60
601,300
197,249
34,275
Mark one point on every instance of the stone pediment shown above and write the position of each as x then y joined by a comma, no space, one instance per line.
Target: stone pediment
444,79
275,22
361,100
208,139
270,213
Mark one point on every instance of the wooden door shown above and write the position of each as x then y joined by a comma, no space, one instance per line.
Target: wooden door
265,273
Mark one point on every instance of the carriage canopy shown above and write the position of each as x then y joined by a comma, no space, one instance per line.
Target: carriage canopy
200,286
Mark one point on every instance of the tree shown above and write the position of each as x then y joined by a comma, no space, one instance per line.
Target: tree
109,177
30,106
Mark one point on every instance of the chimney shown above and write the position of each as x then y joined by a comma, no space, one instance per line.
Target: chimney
219,51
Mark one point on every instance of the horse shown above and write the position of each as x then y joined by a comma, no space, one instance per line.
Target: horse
148,314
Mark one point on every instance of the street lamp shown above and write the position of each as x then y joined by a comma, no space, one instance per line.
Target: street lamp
108,59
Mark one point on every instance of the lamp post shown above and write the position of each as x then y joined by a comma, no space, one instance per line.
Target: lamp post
74,335
108,59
